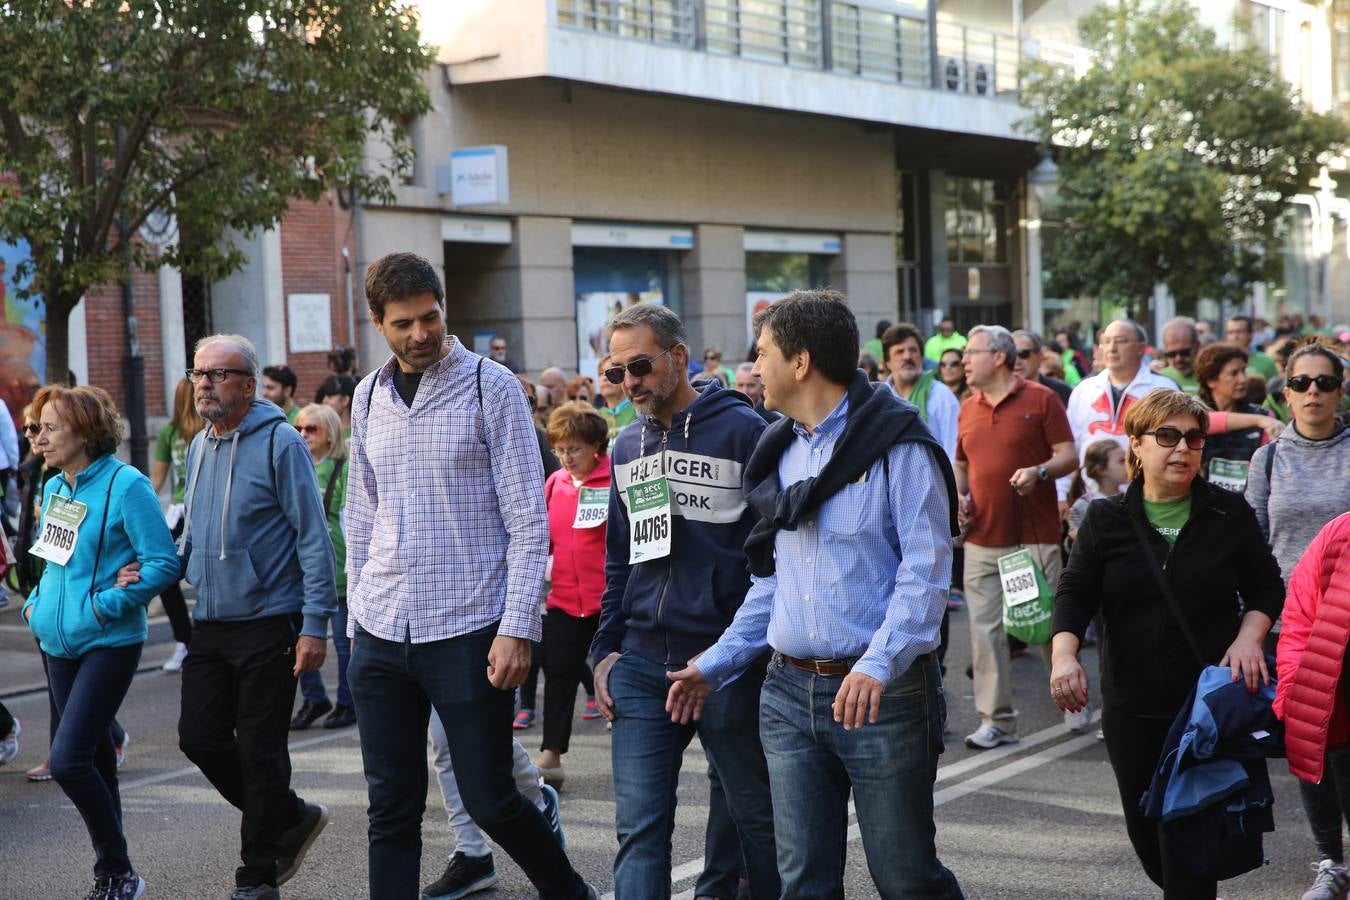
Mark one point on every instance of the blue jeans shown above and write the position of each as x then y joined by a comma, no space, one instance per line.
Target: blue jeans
890,765
647,749
311,683
87,692
395,685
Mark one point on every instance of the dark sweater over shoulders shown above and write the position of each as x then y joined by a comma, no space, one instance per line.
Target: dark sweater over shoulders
1147,667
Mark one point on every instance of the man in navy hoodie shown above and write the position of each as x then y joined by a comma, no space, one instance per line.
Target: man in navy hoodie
675,576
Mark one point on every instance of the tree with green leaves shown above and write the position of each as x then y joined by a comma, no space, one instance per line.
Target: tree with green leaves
213,115
1176,156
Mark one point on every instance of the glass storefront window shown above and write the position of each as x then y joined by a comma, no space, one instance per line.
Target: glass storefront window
977,220
607,280
768,276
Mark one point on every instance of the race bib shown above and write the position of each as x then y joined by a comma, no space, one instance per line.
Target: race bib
649,519
1017,571
592,508
1230,474
60,530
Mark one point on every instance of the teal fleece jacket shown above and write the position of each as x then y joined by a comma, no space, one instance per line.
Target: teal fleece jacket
75,609
256,540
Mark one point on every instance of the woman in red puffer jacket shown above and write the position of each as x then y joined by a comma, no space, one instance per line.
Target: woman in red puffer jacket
578,504
1310,696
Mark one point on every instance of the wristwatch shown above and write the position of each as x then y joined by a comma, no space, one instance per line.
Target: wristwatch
1042,473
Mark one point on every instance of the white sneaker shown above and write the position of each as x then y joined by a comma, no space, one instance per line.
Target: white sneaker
989,736
9,744
1331,882
175,662
1078,721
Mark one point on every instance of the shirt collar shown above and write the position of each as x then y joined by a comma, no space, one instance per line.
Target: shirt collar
439,367
830,427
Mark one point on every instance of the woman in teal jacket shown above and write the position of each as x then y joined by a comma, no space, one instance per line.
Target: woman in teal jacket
97,516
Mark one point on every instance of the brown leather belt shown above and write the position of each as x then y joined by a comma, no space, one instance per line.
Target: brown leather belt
821,666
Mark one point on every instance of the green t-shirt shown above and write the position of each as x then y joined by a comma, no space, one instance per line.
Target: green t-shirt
293,413
1187,382
1259,362
172,449
324,471
873,348
937,345
1168,516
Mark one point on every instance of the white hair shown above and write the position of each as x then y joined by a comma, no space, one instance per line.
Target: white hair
247,352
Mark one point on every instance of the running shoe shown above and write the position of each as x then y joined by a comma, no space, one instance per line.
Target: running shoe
524,719
464,875
175,662
592,710
9,745
988,736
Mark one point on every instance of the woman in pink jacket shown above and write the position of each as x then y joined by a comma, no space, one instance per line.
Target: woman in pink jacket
578,507
1311,695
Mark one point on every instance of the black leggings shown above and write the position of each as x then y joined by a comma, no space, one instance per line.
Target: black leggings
175,605
1134,745
567,643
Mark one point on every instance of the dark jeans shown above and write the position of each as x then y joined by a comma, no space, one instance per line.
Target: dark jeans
1134,745
395,685
119,734
567,643
88,690
723,866
646,749
311,683
175,605
1327,804
529,688
237,696
891,767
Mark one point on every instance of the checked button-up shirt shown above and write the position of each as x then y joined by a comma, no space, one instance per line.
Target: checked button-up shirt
447,531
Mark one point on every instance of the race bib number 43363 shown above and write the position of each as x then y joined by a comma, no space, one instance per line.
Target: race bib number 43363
649,520
60,530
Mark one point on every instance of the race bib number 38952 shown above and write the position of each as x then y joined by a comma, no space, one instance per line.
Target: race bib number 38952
649,520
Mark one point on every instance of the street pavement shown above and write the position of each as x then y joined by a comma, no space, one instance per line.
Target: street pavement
1036,820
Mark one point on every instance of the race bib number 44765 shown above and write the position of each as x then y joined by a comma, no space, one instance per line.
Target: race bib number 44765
649,520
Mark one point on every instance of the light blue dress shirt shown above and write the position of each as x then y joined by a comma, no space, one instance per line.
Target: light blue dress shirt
866,576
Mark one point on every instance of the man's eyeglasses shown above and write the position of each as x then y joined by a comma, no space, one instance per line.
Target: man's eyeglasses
1025,354
1180,352
638,368
972,350
1300,383
1167,436
215,376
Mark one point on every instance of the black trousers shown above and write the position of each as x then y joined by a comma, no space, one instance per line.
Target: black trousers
237,695
1134,745
6,721
175,605
567,642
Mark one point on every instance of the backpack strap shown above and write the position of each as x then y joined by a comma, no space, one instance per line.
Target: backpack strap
480,384
271,458
1270,461
332,486
370,395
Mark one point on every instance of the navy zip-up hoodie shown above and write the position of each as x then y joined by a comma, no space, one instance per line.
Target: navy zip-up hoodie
667,610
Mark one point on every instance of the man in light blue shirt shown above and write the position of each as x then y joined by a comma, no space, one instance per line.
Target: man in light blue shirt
851,562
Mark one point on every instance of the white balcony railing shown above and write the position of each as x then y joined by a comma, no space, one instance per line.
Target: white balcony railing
888,40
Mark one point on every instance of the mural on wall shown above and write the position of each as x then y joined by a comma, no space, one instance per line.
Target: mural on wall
23,333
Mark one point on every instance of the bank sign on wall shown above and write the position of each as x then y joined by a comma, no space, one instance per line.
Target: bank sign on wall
479,176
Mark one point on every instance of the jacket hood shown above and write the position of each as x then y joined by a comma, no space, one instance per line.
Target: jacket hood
1290,435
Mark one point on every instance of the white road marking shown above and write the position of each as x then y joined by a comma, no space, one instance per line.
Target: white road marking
193,770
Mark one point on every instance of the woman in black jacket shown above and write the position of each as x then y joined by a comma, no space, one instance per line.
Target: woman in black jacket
1211,550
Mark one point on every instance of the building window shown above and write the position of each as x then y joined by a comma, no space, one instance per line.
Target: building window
1267,32
977,221
1340,36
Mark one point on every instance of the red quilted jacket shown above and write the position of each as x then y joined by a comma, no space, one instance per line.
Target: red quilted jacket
578,553
1313,639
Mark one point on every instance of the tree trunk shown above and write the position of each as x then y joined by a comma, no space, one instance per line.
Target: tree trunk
59,308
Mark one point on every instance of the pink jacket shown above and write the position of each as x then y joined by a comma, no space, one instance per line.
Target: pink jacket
1313,639
578,553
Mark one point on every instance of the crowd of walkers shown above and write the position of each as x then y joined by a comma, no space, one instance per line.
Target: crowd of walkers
686,528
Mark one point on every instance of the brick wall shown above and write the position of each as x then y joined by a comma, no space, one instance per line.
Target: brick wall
312,236
106,338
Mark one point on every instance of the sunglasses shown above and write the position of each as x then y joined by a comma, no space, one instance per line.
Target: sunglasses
1167,436
308,429
638,368
954,364
32,429
1025,354
1180,351
1300,383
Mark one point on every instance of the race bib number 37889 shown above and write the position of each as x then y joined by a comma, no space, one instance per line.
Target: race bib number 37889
649,520
60,530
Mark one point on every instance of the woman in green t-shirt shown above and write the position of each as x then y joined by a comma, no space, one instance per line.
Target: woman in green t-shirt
323,431
171,459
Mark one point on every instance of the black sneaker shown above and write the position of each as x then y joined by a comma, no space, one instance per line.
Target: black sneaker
129,886
256,892
309,714
464,875
340,717
296,840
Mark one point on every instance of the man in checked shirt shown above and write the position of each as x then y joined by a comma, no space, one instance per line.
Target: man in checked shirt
447,537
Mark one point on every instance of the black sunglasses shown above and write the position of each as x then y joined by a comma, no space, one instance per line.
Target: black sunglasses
32,429
1180,351
1167,436
639,368
1300,383
1025,354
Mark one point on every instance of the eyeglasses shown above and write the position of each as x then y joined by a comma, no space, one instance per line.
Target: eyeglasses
35,429
1025,354
638,368
1180,351
215,376
1300,383
954,364
569,452
1117,342
969,350
32,429
1167,436
308,429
